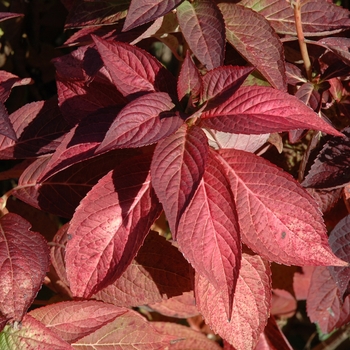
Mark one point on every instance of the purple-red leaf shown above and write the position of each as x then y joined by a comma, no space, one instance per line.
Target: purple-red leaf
38,127
251,304
6,128
24,262
259,110
109,226
318,18
8,81
339,240
140,123
134,71
278,219
32,334
143,11
340,46
203,27
73,320
177,167
331,167
189,81
128,331
159,271
253,37
208,234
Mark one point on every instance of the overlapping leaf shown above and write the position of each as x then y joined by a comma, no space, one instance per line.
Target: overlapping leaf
32,334
339,240
143,11
129,330
6,128
258,110
202,25
140,123
9,80
208,234
318,18
251,304
331,167
253,37
277,218
177,168
24,262
134,71
109,226
73,320
159,271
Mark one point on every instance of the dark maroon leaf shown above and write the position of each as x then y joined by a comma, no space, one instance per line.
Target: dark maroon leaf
339,240
251,304
7,15
331,167
89,13
177,167
159,271
294,74
318,18
109,226
6,128
257,42
32,334
309,95
24,262
258,110
143,11
277,218
208,234
73,320
39,127
140,123
202,25
189,82
340,46
134,71
326,200
8,81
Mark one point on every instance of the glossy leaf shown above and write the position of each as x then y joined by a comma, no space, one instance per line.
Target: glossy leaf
258,110
129,330
140,123
277,218
250,307
32,334
159,271
202,25
143,11
208,234
73,320
24,262
177,168
109,226
253,37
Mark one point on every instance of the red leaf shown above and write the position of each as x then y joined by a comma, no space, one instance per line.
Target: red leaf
331,167
109,226
301,282
324,305
143,11
318,18
251,304
253,37
128,331
73,320
6,128
140,123
7,15
32,334
187,337
258,110
189,81
24,262
38,126
8,80
340,46
278,219
203,27
159,271
208,234
339,240
134,71
177,168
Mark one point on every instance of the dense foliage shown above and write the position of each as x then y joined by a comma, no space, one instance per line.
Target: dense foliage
176,162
